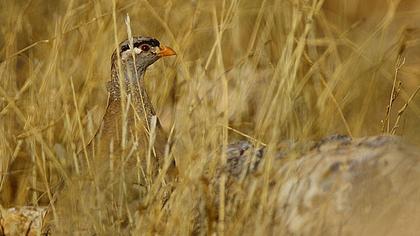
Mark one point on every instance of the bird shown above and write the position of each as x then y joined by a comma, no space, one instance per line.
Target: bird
119,165
130,119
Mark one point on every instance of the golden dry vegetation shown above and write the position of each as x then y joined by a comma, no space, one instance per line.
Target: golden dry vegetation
266,71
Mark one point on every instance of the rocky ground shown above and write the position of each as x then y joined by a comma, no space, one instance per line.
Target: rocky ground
340,186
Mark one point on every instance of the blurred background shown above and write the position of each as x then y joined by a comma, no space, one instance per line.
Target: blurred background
273,70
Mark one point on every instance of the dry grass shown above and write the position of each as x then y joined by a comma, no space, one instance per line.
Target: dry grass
267,70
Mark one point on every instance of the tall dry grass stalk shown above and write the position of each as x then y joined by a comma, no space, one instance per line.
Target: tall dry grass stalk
265,71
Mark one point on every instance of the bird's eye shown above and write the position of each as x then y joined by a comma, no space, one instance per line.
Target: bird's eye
145,47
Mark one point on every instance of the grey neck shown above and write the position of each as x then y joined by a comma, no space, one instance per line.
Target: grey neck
134,85
133,80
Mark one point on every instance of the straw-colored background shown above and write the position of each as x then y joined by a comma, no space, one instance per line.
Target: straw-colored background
274,70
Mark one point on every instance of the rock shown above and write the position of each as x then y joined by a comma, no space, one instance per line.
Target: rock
337,186
368,186
23,221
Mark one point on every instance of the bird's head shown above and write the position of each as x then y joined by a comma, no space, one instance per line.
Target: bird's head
143,52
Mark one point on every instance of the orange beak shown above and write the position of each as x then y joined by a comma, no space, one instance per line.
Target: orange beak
166,51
